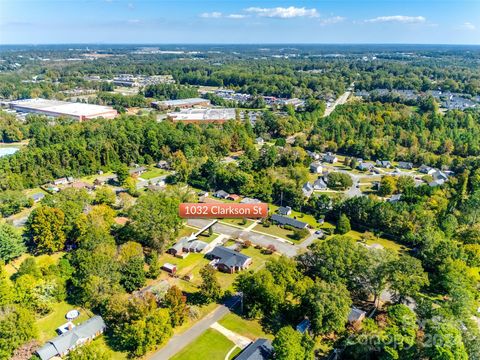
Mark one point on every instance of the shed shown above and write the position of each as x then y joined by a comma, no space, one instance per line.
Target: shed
170,268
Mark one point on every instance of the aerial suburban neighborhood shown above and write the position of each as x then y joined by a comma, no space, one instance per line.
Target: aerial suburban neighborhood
247,180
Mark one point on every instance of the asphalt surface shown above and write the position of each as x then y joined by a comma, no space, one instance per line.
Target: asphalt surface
180,341
256,238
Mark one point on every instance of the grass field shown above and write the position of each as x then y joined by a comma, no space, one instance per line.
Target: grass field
211,345
248,328
237,222
275,231
153,172
48,324
387,244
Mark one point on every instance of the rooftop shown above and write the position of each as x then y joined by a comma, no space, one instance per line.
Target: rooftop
62,107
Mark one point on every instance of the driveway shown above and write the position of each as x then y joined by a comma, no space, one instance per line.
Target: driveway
179,341
255,237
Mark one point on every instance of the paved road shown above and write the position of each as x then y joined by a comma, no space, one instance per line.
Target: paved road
179,341
256,238
340,101
305,243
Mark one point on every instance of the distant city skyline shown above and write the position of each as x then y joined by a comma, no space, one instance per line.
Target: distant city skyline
243,21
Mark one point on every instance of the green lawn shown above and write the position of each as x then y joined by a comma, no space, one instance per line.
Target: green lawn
387,244
248,328
309,219
274,230
237,222
211,345
153,173
48,324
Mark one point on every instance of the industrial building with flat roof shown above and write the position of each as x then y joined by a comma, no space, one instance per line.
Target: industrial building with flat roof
58,108
197,116
180,103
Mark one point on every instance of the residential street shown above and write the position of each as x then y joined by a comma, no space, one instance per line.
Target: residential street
179,341
340,101
255,237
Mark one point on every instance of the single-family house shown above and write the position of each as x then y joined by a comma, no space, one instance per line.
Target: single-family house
319,184
259,141
228,260
260,349
284,210
221,194
356,315
436,183
60,181
314,155
186,245
405,165
384,164
424,169
163,164
307,189
439,175
330,158
283,220
139,170
365,166
37,197
316,167
72,338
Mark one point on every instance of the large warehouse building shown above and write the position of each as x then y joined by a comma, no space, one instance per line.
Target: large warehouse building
201,116
180,103
57,108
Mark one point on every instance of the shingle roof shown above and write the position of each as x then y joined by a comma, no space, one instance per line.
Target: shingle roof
70,339
229,257
283,220
261,349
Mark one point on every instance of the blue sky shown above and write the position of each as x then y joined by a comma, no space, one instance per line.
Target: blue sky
239,21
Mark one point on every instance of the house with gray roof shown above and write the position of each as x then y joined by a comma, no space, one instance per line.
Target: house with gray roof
186,245
330,158
73,338
405,165
319,184
307,189
228,260
284,210
37,197
260,349
283,220
424,169
365,166
384,164
221,194
316,167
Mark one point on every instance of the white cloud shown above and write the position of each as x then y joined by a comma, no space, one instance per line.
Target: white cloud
211,15
332,20
468,26
133,21
236,16
398,19
283,13
130,6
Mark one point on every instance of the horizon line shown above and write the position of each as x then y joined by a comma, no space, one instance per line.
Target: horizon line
234,43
